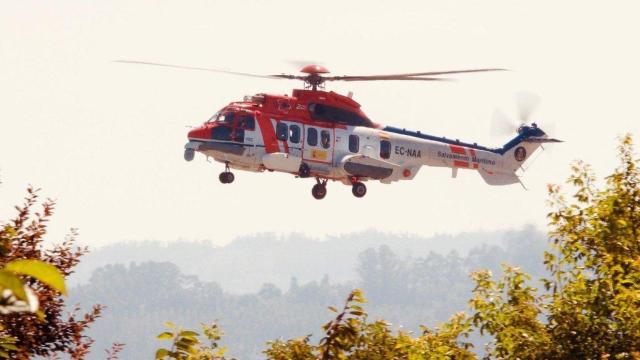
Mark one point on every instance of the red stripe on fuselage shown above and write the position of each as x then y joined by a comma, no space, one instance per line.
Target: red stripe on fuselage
463,164
457,150
268,134
472,152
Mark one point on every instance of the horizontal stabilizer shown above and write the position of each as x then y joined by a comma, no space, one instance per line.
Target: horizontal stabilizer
540,140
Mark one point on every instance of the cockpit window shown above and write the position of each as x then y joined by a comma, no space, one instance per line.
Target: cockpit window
214,117
246,121
221,133
226,117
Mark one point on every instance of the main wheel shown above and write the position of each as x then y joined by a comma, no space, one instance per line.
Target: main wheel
359,189
226,177
319,191
304,171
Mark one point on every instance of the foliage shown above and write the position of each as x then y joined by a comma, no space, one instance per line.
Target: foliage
349,336
33,278
186,344
513,322
592,303
590,308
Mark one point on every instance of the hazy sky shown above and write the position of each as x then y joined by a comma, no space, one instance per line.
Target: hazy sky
106,139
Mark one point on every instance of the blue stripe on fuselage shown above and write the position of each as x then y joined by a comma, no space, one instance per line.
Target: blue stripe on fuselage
518,139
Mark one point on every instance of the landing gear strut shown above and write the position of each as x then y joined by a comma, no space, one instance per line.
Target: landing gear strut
319,190
358,189
226,177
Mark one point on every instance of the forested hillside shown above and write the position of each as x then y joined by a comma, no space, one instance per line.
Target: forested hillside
249,261
407,285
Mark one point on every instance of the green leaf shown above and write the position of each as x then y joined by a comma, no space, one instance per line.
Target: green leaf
42,271
13,283
165,336
9,347
188,333
161,354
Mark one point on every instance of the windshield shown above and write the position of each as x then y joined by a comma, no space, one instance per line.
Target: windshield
226,117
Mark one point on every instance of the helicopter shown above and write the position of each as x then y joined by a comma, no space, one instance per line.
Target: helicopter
319,134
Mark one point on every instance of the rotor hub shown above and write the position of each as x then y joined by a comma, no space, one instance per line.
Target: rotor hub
314,69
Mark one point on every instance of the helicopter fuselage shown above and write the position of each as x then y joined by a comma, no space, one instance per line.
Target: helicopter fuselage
325,135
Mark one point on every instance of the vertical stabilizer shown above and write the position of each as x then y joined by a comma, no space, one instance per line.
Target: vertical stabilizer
515,153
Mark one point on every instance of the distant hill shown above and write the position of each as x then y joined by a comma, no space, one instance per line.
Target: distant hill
250,261
288,284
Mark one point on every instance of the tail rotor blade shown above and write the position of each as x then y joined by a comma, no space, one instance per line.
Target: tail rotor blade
502,125
527,103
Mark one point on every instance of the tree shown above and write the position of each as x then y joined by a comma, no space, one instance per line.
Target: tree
589,309
350,335
592,303
44,331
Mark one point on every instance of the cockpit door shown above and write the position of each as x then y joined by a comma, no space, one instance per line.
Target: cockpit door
244,131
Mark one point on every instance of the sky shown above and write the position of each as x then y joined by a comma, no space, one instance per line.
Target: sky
106,139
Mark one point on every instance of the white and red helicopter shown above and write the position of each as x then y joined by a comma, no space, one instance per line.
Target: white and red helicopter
324,135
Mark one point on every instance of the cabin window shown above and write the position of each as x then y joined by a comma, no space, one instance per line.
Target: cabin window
247,122
294,134
385,149
354,143
312,137
221,133
325,138
282,131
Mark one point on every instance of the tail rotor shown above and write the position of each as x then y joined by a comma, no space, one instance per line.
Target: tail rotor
526,104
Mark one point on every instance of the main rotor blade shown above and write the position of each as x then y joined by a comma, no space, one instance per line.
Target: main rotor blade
382,77
197,68
409,76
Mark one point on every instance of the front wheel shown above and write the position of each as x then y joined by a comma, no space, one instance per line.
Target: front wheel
189,154
319,191
359,190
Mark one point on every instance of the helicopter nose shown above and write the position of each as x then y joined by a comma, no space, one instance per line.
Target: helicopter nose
199,133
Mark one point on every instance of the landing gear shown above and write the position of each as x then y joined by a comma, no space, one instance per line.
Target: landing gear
227,176
305,171
358,189
319,190
189,154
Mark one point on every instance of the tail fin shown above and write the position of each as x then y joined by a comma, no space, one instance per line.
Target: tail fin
515,153
519,149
